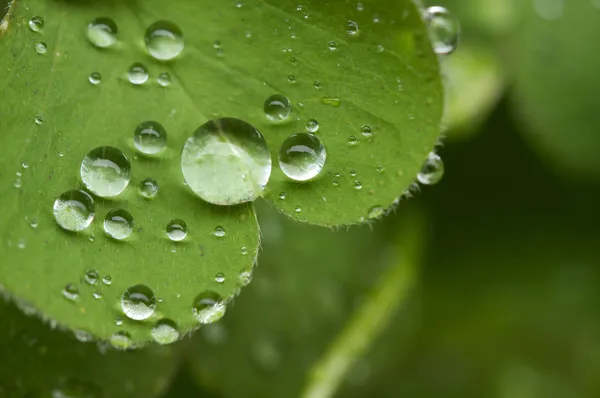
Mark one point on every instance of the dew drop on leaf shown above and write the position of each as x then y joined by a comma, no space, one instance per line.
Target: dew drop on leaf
41,48
220,278
118,224
302,156
332,45
177,230
366,130
352,28
121,340
95,78
105,171
138,302
352,140
39,120
226,162
74,210
149,188
137,74
208,307
312,126
70,292
164,79
91,277
36,24
220,232
277,108
102,32
150,138
165,332
444,29
164,40
432,171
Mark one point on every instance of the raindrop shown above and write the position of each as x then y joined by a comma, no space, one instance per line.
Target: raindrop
164,79
177,230
70,292
366,130
118,224
92,238
102,32
331,101
138,302
376,212
332,45
352,28
121,340
277,108
282,195
226,162
137,74
220,278
353,173
302,156
292,79
149,188
357,185
41,48
95,78
91,277
244,250
36,24
150,138
74,210
107,280
245,277
444,29
165,332
312,126
164,40
106,171
352,140
432,171
208,307
33,223
97,295
220,232
298,209
317,84
39,120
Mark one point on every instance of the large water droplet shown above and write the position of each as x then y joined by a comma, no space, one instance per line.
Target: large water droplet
102,32
164,40
106,171
444,29
208,307
302,156
177,230
165,332
137,74
138,302
71,292
149,188
41,48
118,224
150,138
278,108
226,162
36,24
432,171
74,210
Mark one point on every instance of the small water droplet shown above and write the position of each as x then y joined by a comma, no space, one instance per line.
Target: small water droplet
105,171
352,28
335,182
164,40
331,101
298,209
137,74
164,79
150,138
41,48
376,212
352,140
177,230
118,321
91,277
244,250
220,232
70,292
366,130
121,340
97,295
220,278
317,84
292,79
332,45
312,126
277,108
95,78
36,24
302,156
226,162
444,29
21,244
282,195
208,307
357,185
83,337
107,280
74,210
149,188
432,171
138,302
118,224
165,332
92,238
102,32
360,6
33,222
245,277
39,120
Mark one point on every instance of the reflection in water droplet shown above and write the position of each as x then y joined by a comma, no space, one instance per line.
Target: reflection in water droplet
70,292
118,224
164,40
208,307
74,210
432,171
226,162
95,78
36,24
164,79
137,74
138,302
150,138
41,48
165,332
102,32
302,156
106,171
444,29
177,230
149,188
312,126
277,108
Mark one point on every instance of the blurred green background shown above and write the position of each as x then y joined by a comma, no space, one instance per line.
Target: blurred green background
506,300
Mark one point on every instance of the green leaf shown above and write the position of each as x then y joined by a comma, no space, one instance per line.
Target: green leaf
40,362
557,87
39,262
300,303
